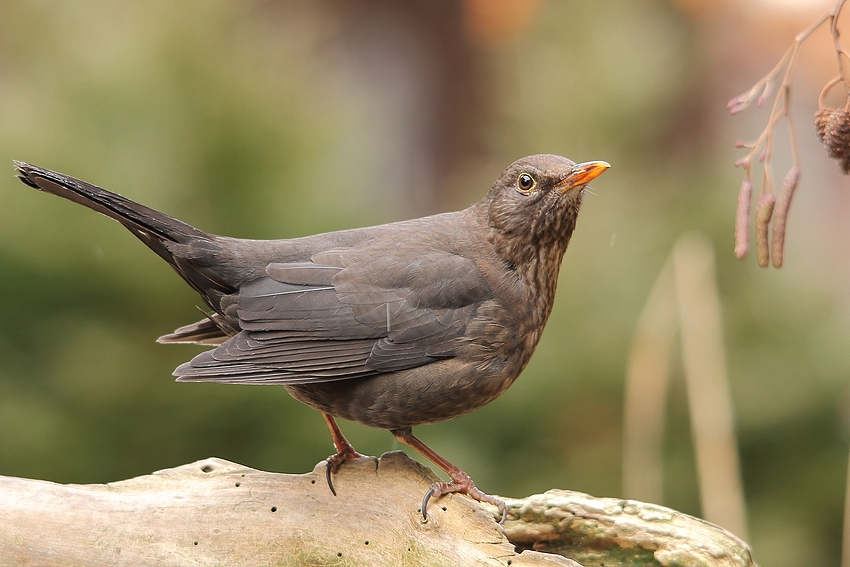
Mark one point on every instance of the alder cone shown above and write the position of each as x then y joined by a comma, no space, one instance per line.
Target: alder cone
833,127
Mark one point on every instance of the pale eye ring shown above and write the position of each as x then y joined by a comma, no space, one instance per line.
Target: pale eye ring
525,182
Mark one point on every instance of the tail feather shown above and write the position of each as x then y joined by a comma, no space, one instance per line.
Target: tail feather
213,330
142,221
160,232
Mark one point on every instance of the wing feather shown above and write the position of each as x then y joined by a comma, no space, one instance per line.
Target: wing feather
356,314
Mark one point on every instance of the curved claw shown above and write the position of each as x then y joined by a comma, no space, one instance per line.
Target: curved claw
464,486
333,463
425,500
328,476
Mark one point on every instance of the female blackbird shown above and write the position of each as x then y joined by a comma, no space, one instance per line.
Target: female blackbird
394,325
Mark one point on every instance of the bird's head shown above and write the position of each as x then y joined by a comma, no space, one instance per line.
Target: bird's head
533,205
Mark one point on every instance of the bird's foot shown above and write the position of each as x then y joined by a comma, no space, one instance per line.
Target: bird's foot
344,451
462,483
334,461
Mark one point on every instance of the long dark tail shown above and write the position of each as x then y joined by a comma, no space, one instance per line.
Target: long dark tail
178,243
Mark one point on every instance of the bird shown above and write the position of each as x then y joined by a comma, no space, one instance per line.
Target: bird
392,326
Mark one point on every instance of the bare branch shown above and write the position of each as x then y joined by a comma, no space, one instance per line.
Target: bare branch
833,129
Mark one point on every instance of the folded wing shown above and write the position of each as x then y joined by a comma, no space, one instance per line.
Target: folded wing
345,314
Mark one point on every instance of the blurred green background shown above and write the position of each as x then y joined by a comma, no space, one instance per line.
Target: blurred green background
264,119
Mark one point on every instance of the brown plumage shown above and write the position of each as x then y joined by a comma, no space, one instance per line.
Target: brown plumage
392,326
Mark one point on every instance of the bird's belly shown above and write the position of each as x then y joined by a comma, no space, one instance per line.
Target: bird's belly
396,400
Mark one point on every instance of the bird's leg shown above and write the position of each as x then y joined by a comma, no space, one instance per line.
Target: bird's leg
344,450
461,482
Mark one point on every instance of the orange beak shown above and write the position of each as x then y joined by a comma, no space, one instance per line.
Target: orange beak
582,174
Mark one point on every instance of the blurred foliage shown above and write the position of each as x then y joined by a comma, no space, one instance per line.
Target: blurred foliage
249,119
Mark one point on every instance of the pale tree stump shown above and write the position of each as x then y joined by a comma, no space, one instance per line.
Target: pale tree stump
214,512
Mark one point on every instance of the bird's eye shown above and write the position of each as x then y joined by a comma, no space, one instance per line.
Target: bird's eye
525,182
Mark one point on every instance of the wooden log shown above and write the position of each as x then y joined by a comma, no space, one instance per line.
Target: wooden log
599,532
214,512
